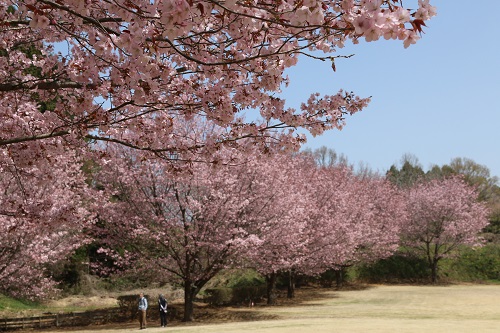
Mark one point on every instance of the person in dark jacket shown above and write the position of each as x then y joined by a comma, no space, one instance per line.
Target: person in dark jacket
162,304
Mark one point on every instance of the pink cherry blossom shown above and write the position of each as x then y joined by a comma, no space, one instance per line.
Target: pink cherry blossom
45,205
77,77
443,214
190,223
123,68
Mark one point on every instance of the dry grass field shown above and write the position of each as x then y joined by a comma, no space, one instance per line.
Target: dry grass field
376,309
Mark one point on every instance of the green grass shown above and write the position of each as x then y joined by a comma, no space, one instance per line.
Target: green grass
11,304
10,307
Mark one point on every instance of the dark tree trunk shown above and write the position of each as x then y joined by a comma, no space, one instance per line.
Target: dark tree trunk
271,288
291,284
190,292
339,277
434,271
433,259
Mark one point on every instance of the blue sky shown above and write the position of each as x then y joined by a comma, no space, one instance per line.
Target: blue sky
438,99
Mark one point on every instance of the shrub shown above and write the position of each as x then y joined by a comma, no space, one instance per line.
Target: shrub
477,264
219,296
235,286
398,268
128,305
237,295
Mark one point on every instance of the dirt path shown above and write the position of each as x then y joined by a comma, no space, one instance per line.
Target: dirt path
378,309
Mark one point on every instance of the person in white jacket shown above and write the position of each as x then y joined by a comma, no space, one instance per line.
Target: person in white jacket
143,306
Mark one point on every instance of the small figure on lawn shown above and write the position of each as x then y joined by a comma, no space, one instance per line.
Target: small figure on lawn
162,304
143,306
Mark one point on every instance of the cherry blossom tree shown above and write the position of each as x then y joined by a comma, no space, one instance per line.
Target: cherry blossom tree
127,71
191,223
443,214
355,219
43,209
286,181
381,213
75,73
337,219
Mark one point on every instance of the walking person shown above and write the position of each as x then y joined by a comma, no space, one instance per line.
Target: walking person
162,304
143,306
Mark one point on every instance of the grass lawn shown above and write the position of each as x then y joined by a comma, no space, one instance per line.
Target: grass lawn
377,309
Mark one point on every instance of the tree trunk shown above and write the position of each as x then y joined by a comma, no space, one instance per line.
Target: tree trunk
291,284
432,259
189,296
271,288
339,277
434,271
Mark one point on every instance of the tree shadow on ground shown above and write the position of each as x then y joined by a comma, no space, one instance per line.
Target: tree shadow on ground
212,314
